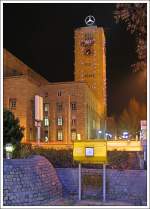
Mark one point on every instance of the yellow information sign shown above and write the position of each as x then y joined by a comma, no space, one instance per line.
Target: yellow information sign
90,151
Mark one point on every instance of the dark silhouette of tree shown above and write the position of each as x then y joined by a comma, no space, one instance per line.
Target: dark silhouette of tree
130,117
12,132
134,15
112,125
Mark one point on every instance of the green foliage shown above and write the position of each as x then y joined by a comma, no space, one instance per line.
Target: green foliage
130,117
25,151
118,160
59,158
12,132
134,15
64,159
123,160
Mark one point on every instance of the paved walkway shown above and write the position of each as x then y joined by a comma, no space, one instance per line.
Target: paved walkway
71,202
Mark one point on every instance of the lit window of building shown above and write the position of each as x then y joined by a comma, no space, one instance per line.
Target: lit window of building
59,106
46,135
59,135
46,107
46,121
74,106
60,121
73,135
12,103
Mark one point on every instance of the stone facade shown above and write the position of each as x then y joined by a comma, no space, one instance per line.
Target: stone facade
78,107
72,110
90,62
127,185
30,182
21,83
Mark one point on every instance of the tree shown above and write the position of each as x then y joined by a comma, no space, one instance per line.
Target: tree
111,125
118,160
12,132
123,160
130,117
135,16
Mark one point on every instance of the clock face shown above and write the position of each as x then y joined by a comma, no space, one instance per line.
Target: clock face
87,44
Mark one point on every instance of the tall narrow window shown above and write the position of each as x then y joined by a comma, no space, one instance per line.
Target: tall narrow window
73,105
46,121
59,135
73,121
12,103
59,93
46,135
73,135
46,107
59,106
60,121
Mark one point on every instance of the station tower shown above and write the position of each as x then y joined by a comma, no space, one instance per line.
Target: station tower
90,61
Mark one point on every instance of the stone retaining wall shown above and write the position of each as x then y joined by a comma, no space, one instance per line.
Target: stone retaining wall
30,181
34,181
127,185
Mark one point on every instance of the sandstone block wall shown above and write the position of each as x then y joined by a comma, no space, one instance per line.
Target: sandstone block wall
30,181
127,185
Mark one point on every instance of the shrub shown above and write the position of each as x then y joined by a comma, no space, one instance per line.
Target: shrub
25,151
12,131
59,158
123,160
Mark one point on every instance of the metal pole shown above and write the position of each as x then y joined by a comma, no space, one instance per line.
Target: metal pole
104,182
38,135
69,116
105,137
79,181
8,155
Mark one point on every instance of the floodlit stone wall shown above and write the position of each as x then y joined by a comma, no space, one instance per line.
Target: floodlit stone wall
31,181
125,185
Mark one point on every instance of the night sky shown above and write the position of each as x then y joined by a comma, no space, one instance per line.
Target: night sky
42,36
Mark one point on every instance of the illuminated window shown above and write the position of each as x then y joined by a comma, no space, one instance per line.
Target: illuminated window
59,106
46,107
73,135
74,106
59,135
46,135
60,121
12,103
46,121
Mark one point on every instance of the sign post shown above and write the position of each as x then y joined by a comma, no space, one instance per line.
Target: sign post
93,152
38,115
79,181
104,182
38,133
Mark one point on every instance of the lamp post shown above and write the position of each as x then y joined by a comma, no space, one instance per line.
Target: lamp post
69,120
9,150
99,134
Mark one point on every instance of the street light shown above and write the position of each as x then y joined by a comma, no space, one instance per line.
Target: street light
99,133
9,150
